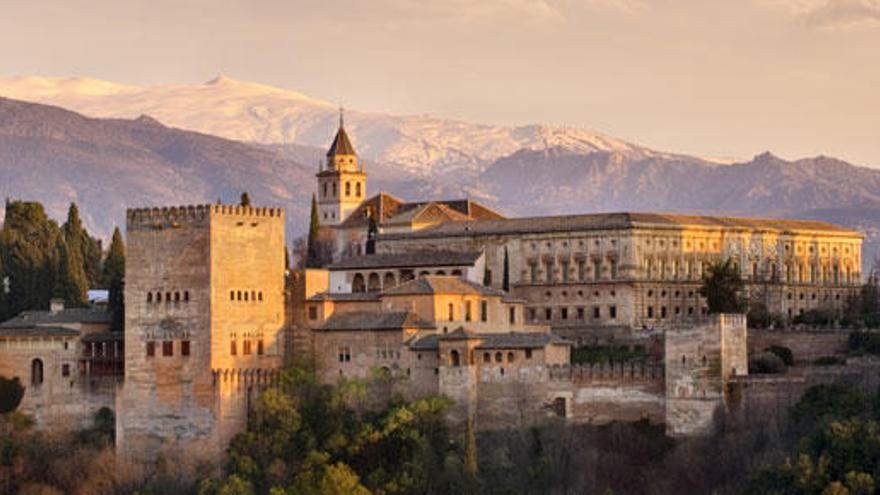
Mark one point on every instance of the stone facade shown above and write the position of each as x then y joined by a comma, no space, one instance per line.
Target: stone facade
204,318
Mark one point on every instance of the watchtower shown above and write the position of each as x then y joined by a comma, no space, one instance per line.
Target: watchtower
342,182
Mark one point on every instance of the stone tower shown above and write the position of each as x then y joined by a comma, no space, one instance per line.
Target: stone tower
204,299
342,182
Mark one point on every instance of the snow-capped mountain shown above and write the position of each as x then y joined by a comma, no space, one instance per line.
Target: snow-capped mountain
422,145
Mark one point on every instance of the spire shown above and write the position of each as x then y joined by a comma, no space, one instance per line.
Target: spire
341,117
341,144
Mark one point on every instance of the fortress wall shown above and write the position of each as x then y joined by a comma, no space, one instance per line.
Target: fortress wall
806,346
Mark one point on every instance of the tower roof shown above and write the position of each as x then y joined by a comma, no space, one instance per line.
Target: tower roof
341,144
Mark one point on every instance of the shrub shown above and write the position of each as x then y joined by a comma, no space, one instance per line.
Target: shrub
835,401
829,361
783,352
815,318
864,341
765,363
11,393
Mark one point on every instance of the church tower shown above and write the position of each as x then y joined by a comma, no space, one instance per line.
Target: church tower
342,182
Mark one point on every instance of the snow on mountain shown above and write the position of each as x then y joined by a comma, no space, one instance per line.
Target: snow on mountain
246,111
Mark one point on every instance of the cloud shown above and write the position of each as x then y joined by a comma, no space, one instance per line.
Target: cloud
834,14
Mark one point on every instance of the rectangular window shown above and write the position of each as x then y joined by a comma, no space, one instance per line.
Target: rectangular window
528,354
532,315
343,354
551,272
580,313
451,315
484,311
260,347
548,313
512,317
613,269
565,271
533,273
564,313
184,348
597,312
690,310
612,312
168,348
65,370
247,347
233,348
151,349
467,311
582,271
313,312
650,311
662,311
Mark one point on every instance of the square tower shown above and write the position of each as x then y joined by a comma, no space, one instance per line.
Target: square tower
342,182
204,314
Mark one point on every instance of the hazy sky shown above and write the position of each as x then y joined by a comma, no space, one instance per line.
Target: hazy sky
720,78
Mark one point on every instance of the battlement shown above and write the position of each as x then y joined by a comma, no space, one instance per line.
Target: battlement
186,213
630,372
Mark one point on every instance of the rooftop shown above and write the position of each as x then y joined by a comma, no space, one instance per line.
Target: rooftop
511,340
27,319
411,259
614,221
41,331
442,284
369,320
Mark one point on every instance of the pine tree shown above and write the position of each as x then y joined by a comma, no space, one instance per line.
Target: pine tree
313,261
505,282
114,275
245,199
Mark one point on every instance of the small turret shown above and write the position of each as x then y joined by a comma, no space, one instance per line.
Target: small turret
342,184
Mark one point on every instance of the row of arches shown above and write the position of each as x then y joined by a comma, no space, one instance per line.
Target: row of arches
332,189
376,282
176,297
252,296
456,358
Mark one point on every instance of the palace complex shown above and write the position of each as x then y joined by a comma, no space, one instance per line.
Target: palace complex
433,297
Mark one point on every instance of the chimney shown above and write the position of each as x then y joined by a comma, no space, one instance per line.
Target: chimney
56,305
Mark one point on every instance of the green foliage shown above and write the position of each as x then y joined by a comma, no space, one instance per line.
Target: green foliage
245,199
11,393
766,363
829,361
816,318
864,341
71,284
828,401
113,276
723,287
77,239
304,437
783,352
607,354
313,255
759,316
863,310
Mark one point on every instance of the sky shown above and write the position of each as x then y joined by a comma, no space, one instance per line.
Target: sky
717,78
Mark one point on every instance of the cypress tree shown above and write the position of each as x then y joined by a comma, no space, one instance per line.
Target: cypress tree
71,283
245,199
312,259
89,248
114,276
505,282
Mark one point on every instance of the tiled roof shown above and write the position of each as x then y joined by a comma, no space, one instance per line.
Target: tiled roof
385,206
410,259
367,320
613,221
427,213
41,331
512,340
345,296
442,284
388,207
104,337
27,319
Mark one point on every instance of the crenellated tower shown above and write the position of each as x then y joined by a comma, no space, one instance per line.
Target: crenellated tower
342,182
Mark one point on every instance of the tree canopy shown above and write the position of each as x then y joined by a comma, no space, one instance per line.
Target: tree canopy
723,288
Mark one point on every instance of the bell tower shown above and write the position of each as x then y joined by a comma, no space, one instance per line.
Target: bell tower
342,182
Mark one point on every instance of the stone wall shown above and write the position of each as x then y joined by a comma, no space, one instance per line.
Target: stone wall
806,345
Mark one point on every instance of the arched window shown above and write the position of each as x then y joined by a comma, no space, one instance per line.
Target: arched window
260,296
441,272
451,312
186,296
498,357
509,357
36,372
454,359
357,284
232,295
357,189
373,284
325,189
253,295
390,281
158,297
487,358
423,274
347,189
149,297
238,296
245,295
334,189
177,297
233,348
168,297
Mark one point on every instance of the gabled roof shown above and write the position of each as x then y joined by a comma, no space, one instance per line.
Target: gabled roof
427,213
383,204
27,319
368,320
442,284
612,221
393,210
511,340
40,331
413,259
341,144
